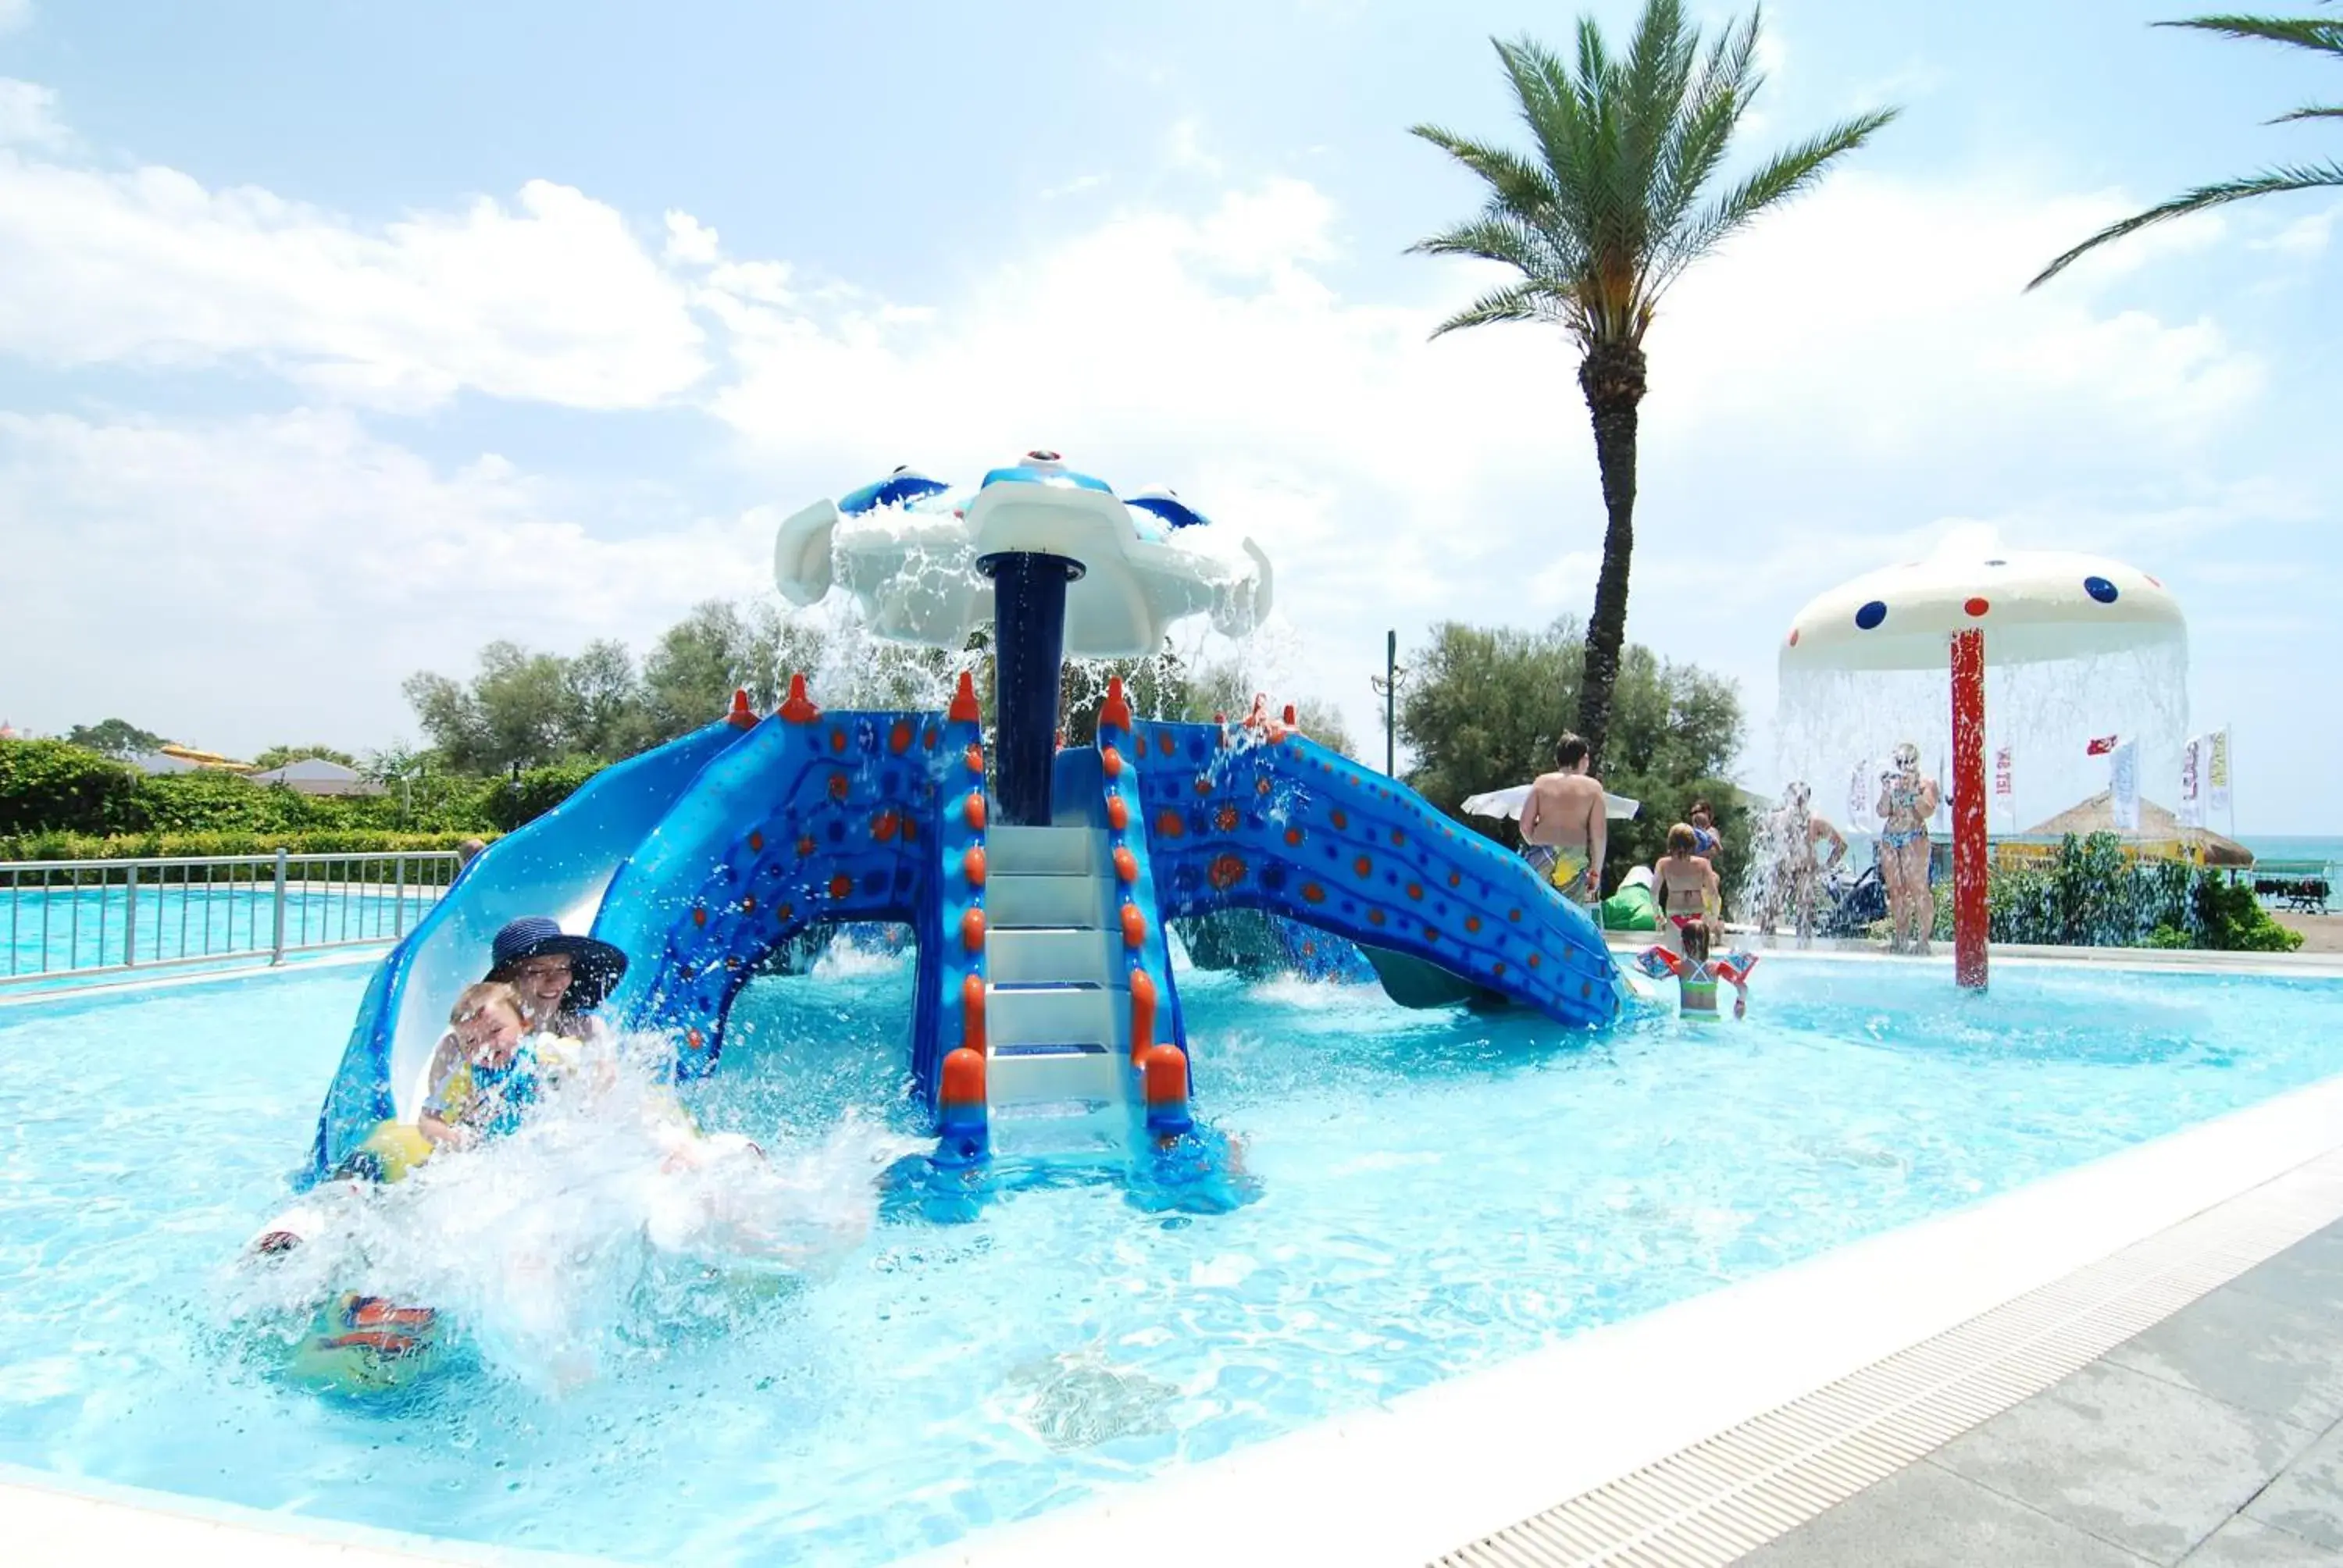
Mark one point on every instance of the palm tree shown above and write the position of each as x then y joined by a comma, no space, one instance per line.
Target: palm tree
2324,36
1602,215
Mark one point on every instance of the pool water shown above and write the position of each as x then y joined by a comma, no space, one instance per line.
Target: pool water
46,930
1439,1192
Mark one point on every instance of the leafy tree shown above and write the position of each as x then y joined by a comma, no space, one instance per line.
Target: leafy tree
1230,687
1486,706
1602,216
603,695
521,709
114,737
2320,35
62,787
278,756
691,674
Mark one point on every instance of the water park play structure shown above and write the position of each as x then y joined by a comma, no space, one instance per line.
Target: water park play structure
1037,880
1945,612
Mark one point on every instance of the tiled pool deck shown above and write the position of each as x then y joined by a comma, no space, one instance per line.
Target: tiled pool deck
2215,1438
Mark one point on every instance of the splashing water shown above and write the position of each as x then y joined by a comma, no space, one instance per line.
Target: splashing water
1833,722
598,1225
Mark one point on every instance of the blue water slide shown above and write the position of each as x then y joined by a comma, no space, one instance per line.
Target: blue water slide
559,865
1265,818
810,817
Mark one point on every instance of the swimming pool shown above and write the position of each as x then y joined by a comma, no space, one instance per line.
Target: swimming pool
57,930
1440,1193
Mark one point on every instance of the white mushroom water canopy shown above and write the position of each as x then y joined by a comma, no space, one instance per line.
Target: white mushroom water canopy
2032,606
2078,648
908,550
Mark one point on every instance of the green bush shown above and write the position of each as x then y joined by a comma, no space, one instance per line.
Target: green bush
510,803
48,785
214,802
2089,894
2229,918
139,846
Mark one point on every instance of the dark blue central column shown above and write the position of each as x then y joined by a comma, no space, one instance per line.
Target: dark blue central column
1028,650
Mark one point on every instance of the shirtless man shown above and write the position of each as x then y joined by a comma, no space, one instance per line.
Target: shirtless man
1565,829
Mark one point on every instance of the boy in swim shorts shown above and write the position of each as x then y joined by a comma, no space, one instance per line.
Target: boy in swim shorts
1564,828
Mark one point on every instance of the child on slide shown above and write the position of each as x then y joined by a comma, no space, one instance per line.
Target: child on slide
1697,974
487,1070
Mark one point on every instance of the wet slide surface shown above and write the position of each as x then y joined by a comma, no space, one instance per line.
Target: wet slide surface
1240,818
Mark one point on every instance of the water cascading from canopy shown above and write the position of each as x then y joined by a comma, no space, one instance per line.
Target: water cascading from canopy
2079,644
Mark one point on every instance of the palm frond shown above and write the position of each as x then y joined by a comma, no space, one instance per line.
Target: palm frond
2303,33
1565,122
1713,104
2312,112
1515,302
1781,178
1652,85
1514,182
1534,253
2270,183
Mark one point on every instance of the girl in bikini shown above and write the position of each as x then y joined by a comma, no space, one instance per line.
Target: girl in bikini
1684,884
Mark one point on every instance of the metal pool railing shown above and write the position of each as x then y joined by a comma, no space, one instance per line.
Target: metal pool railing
101,917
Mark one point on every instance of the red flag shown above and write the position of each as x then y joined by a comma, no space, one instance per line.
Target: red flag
2101,746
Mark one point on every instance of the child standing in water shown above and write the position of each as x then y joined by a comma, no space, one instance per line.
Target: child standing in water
1697,974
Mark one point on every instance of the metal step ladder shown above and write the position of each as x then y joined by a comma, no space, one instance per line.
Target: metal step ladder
1057,1012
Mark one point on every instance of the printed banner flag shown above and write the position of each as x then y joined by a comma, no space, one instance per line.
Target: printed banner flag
2216,770
2001,772
2191,811
2123,784
2103,746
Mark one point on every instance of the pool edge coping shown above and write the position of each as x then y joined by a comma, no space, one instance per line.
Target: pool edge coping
1436,1470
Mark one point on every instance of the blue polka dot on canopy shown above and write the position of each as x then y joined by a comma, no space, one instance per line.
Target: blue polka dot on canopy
1871,613
2100,589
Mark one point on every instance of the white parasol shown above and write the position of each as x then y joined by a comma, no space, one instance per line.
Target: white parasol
1507,803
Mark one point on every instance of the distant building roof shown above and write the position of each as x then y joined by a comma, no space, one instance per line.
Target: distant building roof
318,776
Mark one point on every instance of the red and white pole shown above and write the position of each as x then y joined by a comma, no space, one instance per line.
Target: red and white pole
1970,921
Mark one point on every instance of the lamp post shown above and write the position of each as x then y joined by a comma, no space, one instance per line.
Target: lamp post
1386,686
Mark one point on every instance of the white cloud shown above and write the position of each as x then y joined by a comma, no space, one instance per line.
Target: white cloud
1074,186
550,300
242,580
28,114
689,242
1855,376
1821,392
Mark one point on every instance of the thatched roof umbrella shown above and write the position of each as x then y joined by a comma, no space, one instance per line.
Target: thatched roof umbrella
2098,815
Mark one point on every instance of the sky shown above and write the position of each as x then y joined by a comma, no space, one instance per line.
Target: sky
336,340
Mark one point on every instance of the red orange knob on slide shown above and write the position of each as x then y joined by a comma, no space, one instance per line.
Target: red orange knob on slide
963,1078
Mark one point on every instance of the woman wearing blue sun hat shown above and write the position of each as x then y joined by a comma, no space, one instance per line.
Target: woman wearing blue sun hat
561,979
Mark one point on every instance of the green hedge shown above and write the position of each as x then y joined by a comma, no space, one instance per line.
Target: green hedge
48,789
136,846
508,804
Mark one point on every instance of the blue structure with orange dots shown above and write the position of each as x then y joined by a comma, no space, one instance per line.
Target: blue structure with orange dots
1043,970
